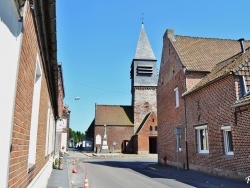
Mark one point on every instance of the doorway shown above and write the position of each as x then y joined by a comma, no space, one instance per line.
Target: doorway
152,145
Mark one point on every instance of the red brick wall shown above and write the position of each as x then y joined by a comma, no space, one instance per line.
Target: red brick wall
193,78
144,103
169,117
242,143
212,106
18,176
145,133
60,94
114,134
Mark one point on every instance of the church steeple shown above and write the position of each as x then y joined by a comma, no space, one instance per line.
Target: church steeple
144,50
143,80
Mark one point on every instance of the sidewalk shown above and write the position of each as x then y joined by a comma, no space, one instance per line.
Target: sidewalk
190,177
60,178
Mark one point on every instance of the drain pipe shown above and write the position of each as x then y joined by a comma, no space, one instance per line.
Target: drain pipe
185,119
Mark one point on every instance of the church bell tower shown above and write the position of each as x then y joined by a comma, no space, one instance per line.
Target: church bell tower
143,80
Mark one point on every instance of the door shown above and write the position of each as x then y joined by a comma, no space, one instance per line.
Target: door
152,145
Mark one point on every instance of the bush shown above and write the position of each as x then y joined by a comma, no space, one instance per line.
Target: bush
56,163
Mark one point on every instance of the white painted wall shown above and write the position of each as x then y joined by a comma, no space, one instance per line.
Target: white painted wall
64,140
10,40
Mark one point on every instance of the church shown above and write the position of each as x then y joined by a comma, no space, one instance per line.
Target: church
132,128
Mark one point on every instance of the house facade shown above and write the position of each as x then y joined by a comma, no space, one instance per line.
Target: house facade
30,88
140,135
11,34
63,120
187,62
218,144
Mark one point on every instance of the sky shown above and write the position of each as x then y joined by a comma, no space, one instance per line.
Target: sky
97,39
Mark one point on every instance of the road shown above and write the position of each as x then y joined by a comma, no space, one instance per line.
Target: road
139,172
122,173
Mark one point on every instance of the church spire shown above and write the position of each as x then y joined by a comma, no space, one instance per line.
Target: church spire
144,50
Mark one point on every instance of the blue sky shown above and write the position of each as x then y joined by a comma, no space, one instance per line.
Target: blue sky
97,41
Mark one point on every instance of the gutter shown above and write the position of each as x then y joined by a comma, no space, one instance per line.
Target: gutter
240,104
185,119
44,36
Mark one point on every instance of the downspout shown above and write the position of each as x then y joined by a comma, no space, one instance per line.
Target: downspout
185,118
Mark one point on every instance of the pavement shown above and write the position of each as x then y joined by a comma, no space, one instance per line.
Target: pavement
60,178
67,179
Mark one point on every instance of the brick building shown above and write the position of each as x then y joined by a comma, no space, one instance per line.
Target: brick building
29,92
218,144
141,132
62,124
196,91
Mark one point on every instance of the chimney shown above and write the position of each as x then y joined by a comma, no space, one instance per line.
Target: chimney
170,34
242,45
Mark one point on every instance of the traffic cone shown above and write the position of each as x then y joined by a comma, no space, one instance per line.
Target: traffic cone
74,170
86,182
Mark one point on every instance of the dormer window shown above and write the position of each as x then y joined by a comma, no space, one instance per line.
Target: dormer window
243,87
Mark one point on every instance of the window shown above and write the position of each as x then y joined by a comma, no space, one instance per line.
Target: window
176,92
151,128
50,131
34,116
156,128
146,105
202,139
243,87
178,140
228,141
144,70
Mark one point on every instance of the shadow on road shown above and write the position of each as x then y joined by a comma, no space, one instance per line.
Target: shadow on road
160,172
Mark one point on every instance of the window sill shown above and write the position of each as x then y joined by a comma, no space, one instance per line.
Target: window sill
228,155
31,167
203,153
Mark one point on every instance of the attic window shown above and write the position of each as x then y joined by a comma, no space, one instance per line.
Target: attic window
243,87
144,70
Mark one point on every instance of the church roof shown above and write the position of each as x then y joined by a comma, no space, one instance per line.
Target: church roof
114,115
143,49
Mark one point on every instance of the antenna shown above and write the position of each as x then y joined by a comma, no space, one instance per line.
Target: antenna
142,18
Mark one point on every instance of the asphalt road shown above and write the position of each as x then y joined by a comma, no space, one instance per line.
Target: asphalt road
136,172
122,173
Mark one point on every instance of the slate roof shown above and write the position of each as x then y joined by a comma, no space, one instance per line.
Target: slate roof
222,69
143,49
114,115
202,54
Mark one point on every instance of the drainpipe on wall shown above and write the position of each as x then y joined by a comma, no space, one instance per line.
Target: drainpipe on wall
185,119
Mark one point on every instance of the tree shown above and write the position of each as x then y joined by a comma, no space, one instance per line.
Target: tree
76,135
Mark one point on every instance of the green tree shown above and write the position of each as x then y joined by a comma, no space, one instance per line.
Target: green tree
76,135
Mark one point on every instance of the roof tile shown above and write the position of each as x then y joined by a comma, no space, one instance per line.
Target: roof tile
114,115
